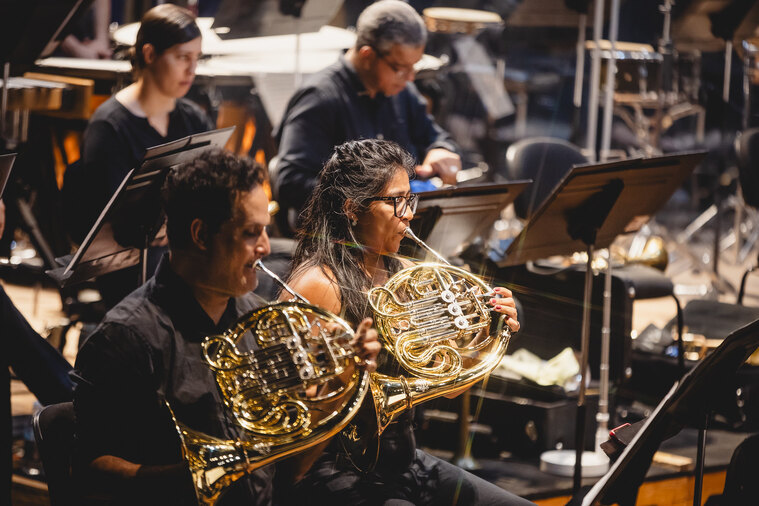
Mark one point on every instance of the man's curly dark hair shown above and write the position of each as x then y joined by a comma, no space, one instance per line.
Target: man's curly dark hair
206,188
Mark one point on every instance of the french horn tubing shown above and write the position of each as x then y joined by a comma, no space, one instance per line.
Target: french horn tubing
299,388
434,319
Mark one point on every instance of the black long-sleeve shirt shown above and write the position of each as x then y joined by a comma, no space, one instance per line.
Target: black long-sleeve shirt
334,107
147,351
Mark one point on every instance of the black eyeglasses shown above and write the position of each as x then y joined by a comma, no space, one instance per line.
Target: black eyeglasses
401,203
402,72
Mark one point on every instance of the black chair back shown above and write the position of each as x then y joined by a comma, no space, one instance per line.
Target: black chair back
54,433
546,161
747,153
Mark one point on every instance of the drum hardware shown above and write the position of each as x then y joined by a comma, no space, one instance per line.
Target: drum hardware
452,20
433,319
298,389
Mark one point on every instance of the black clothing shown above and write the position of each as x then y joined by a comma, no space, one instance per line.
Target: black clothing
114,143
333,107
35,362
403,474
116,140
427,480
146,351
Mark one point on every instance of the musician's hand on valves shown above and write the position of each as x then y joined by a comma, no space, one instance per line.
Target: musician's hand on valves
442,163
503,302
367,344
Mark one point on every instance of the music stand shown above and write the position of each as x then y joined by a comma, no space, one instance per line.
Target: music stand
133,216
451,218
6,164
587,210
687,404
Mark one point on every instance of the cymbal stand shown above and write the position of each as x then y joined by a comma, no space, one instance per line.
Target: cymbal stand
297,74
579,70
602,416
4,99
611,68
718,199
741,251
665,76
595,78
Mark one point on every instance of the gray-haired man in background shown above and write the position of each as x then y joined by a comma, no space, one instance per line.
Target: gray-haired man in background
368,93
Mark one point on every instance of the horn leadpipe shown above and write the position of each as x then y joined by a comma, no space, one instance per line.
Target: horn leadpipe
260,265
411,235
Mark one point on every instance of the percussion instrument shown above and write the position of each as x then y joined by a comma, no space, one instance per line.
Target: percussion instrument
638,67
38,93
455,20
120,71
34,94
687,79
328,38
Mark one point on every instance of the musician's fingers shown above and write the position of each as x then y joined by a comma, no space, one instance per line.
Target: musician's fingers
361,330
502,291
332,327
370,347
425,171
370,365
513,324
504,305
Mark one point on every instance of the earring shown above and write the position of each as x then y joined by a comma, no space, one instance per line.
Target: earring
354,221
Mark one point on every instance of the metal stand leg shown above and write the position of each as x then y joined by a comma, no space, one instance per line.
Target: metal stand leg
463,457
699,478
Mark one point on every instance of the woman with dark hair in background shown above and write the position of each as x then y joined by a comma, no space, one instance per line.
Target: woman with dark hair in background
149,112
352,229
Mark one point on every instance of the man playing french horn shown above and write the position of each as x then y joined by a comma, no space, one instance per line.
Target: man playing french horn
149,350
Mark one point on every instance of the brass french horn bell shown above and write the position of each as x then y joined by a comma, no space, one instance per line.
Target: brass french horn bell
299,387
434,319
653,253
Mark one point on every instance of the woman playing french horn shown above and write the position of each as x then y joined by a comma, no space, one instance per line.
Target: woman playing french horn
351,233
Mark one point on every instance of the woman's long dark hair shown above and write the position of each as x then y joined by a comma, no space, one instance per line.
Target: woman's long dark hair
357,170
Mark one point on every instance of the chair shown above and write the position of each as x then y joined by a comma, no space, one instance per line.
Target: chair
546,161
54,432
747,154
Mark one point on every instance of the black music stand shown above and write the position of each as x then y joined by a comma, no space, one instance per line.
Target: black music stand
588,209
133,217
688,403
452,218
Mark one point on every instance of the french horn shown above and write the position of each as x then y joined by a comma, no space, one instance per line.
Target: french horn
434,320
299,388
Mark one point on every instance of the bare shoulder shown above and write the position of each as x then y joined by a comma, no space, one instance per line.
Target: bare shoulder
407,262
319,286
